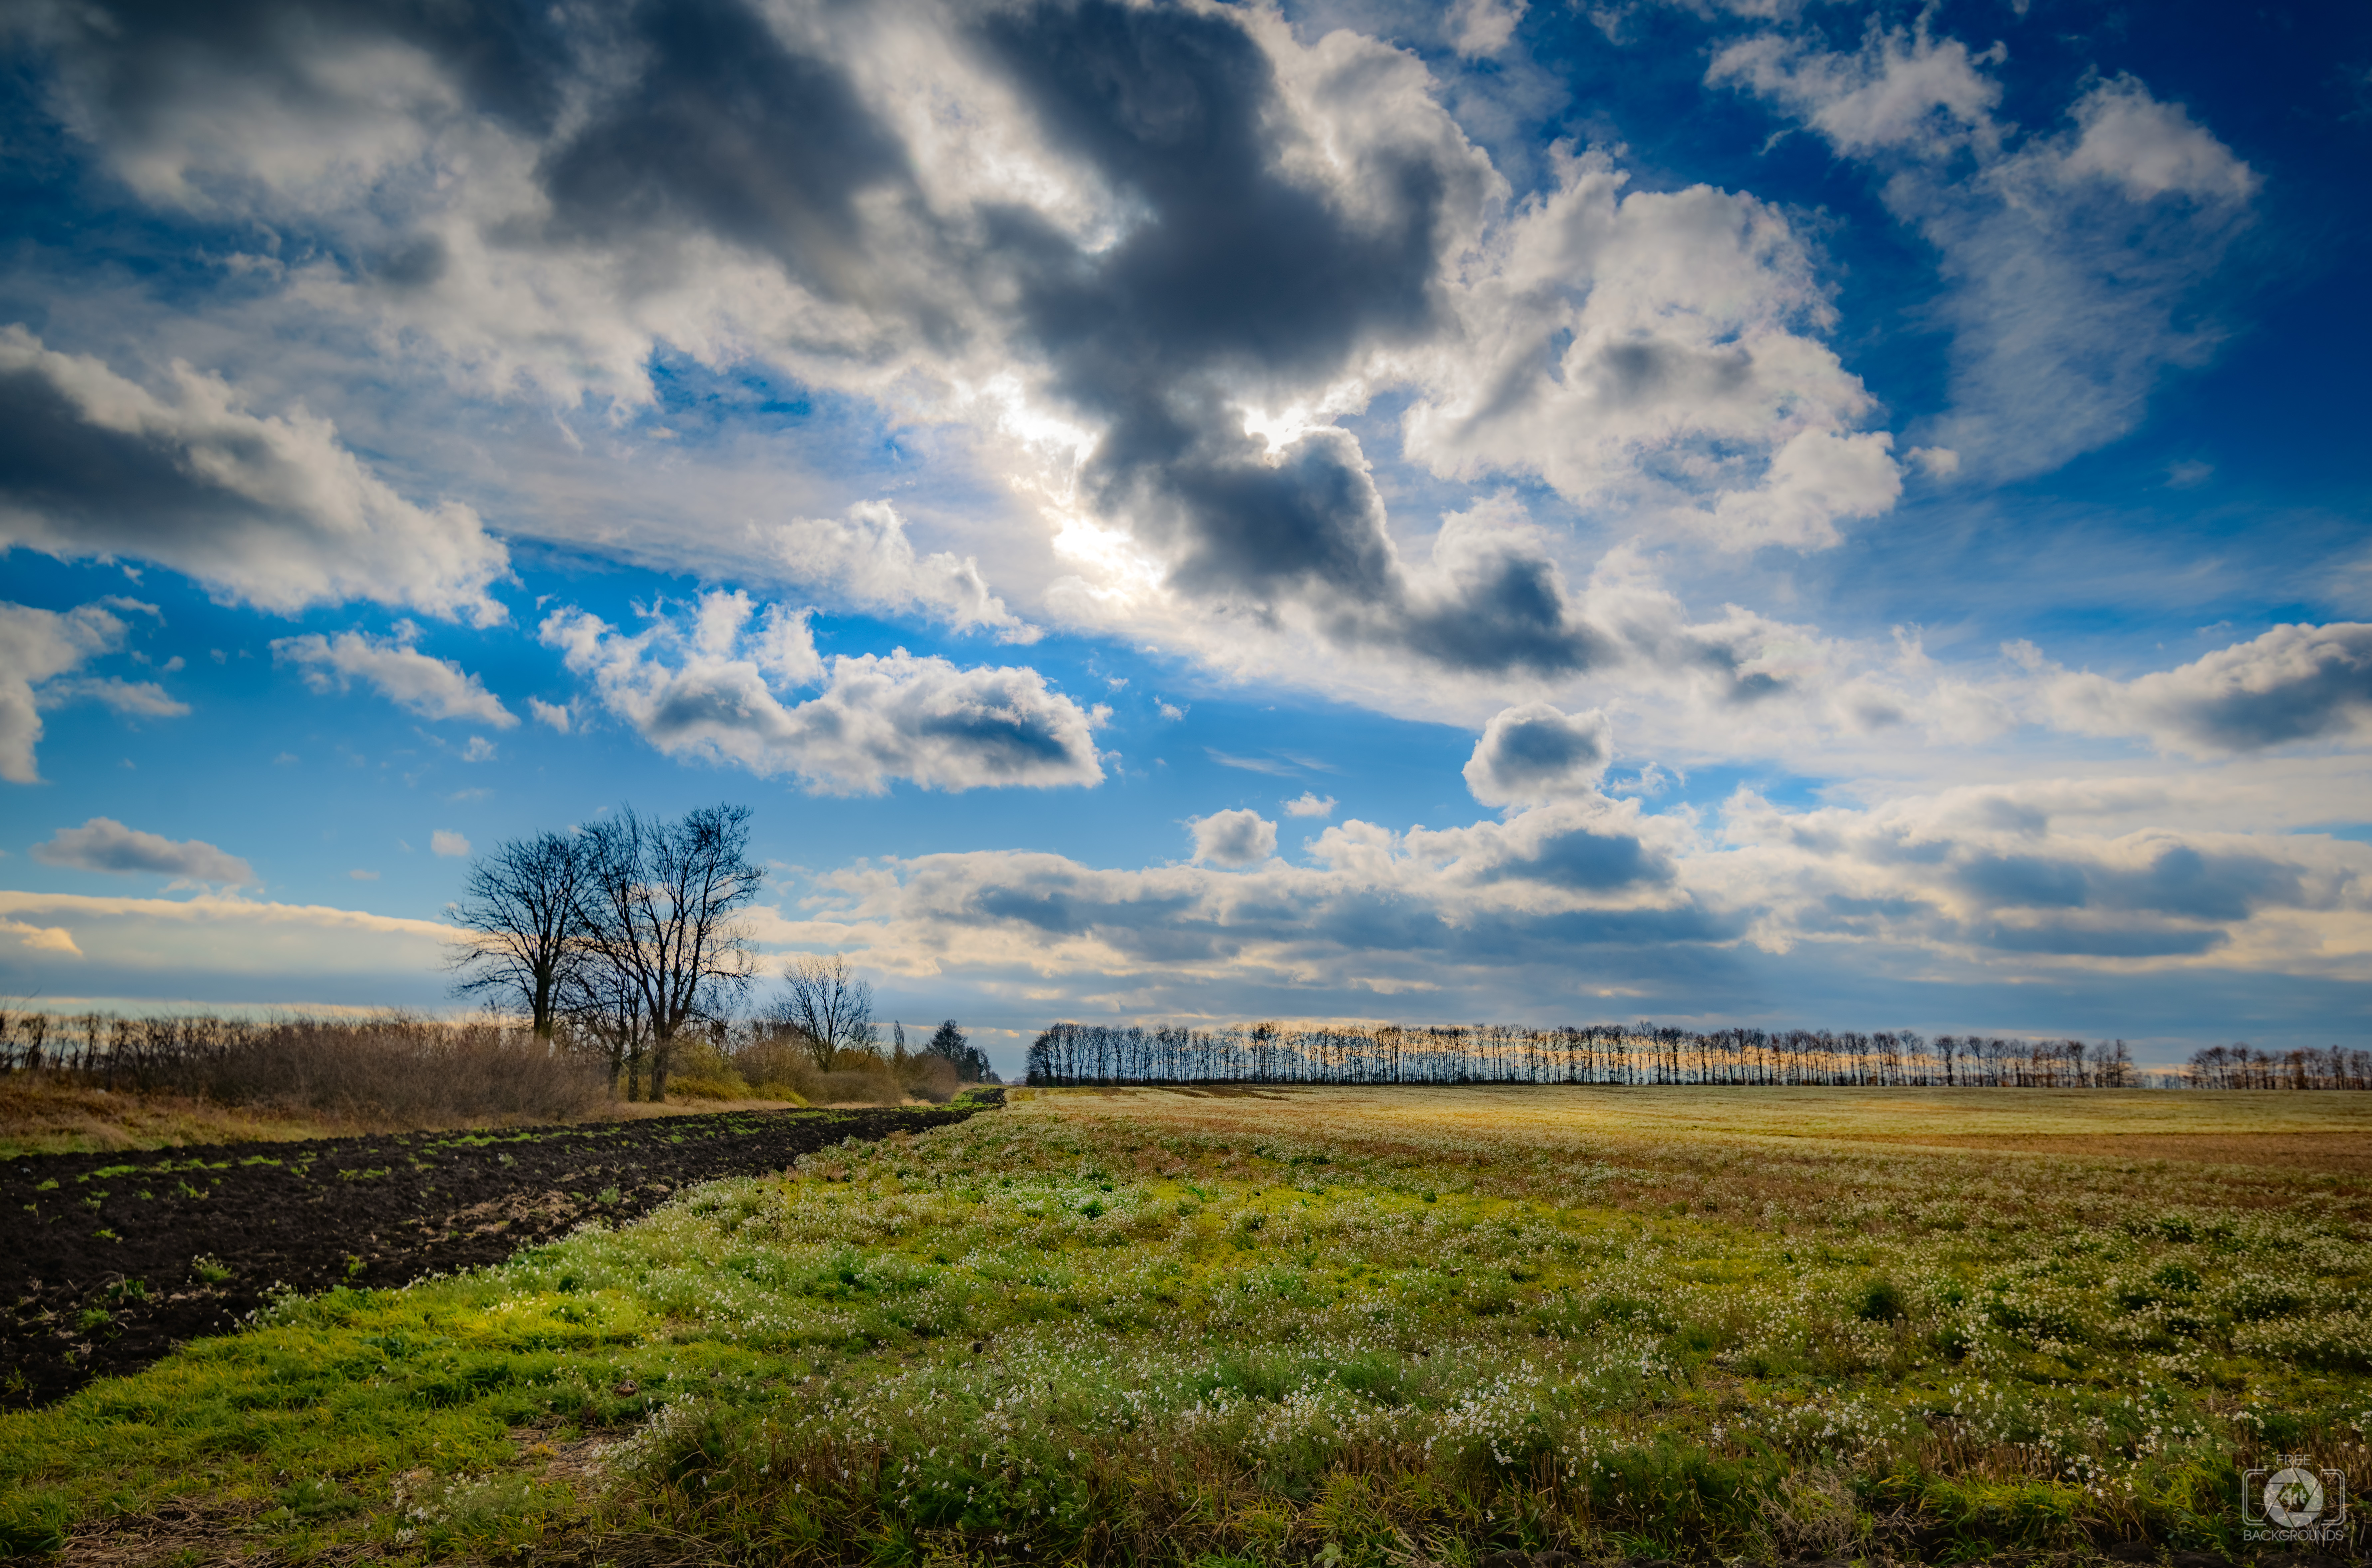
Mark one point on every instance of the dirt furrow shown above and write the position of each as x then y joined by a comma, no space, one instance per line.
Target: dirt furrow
108,1261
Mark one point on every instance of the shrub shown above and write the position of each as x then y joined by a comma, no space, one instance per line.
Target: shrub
390,1068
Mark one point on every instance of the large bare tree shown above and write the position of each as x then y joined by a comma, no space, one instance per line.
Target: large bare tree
520,908
824,999
606,1009
662,907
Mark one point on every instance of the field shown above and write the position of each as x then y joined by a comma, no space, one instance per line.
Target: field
106,1260
1392,1326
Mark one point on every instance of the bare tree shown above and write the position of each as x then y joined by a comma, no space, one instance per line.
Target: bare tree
521,911
661,903
824,999
608,1007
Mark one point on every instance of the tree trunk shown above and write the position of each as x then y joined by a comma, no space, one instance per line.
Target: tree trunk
661,1049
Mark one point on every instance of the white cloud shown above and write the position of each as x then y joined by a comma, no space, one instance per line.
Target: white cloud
132,699
1902,90
709,688
452,845
866,557
434,687
1990,886
1654,349
2042,875
1482,28
1233,837
1533,753
555,714
2068,256
361,876
105,844
2295,683
40,649
480,750
1309,804
43,938
266,510
2152,148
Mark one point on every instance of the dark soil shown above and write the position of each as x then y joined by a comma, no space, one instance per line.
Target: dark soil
106,1258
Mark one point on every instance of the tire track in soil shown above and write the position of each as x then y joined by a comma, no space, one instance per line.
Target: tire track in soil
121,1234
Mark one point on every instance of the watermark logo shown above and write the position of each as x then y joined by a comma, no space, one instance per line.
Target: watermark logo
2294,1502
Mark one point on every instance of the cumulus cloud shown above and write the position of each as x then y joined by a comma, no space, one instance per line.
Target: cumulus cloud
866,556
267,510
2294,683
1375,909
1534,752
2023,871
432,688
1309,804
39,651
710,685
105,844
1654,348
2150,148
555,716
2069,254
1995,884
1233,837
452,845
1154,319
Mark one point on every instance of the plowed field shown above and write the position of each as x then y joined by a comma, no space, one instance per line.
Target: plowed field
108,1259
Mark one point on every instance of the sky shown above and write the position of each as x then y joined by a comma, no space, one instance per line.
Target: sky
1730,512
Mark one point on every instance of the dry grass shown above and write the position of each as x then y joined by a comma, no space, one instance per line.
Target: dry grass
44,1115
2336,1152
41,1114
1558,1113
2081,1157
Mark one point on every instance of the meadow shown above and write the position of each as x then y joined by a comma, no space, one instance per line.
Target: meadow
1390,1325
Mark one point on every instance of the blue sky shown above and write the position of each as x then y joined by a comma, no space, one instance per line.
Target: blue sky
1763,512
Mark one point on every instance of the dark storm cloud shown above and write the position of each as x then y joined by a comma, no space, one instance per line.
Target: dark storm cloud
1239,280
724,128
1235,265
134,68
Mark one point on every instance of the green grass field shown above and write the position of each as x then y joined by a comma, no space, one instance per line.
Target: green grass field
1387,1326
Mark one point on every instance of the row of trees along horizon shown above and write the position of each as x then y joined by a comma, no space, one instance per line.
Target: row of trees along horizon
627,937
1647,1053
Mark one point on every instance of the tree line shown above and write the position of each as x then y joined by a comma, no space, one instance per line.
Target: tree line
2244,1067
628,936
1070,1054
